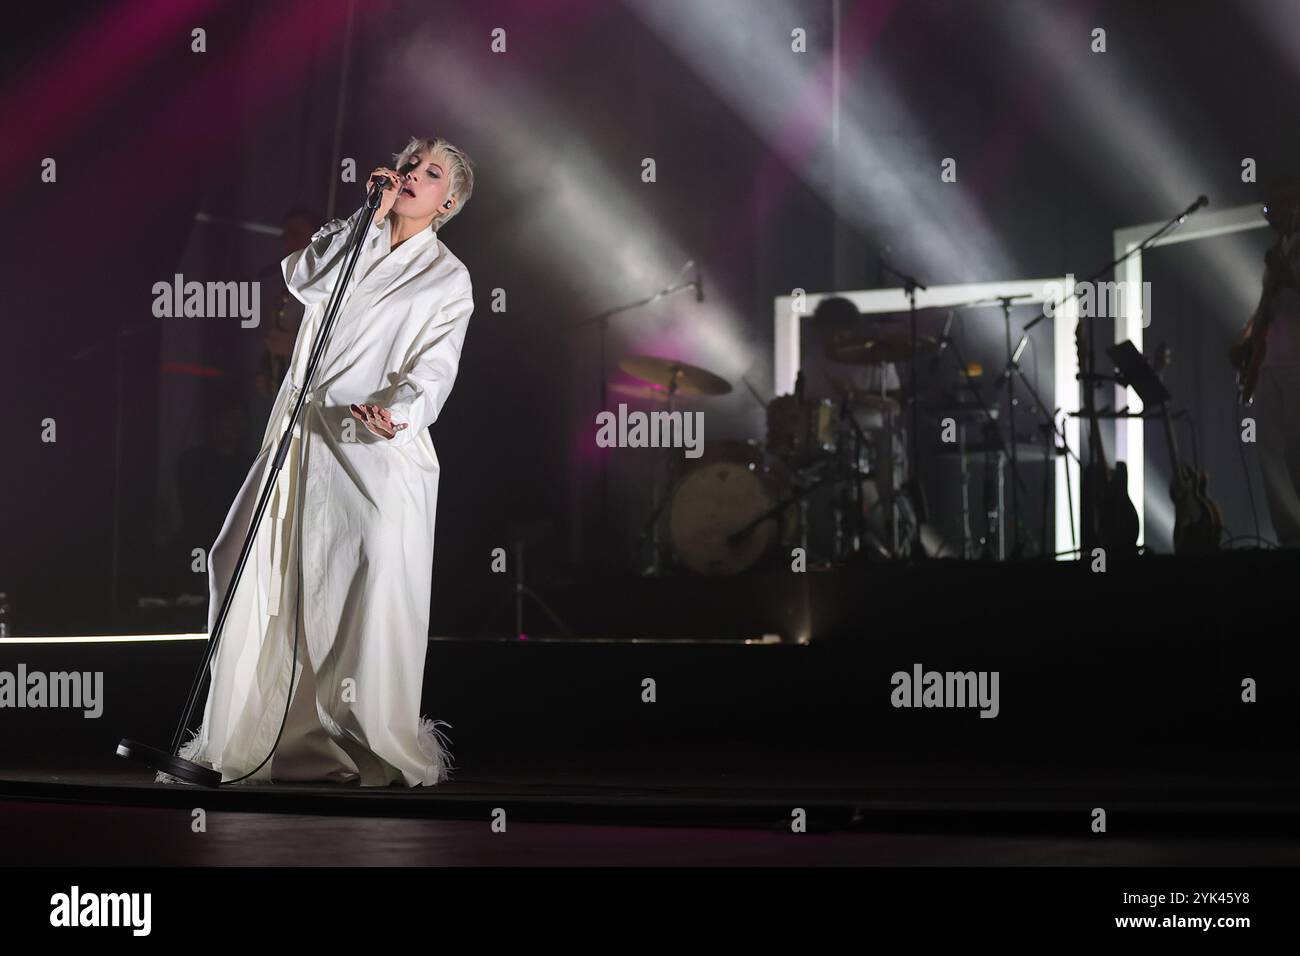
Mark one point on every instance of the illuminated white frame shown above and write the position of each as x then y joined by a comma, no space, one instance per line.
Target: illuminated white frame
1129,443
1036,291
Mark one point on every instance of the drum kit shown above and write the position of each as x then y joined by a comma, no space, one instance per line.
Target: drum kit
831,476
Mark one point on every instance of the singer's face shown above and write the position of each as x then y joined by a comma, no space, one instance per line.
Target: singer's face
425,183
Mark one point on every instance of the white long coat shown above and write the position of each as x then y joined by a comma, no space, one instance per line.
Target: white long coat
367,508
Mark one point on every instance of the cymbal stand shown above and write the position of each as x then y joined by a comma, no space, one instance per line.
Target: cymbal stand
601,321
1013,357
910,285
661,494
966,533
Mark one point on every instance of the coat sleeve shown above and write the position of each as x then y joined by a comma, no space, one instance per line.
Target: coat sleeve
421,389
310,273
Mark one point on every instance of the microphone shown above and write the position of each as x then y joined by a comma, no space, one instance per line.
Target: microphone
1013,364
1200,201
945,339
699,285
378,183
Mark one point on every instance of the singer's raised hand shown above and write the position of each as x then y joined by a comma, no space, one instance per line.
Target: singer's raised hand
390,193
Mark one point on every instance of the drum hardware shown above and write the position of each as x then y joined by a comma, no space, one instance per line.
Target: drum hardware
960,410
800,431
967,538
825,477
754,393
871,401
728,489
1007,378
992,444
963,412
675,376
869,345
853,444
823,446
915,487
994,451
1054,441
994,498
748,529
853,348
601,321
646,393
665,379
876,449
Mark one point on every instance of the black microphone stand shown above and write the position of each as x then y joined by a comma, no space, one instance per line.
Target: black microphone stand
601,319
1013,366
1088,377
1012,371
910,285
170,761
1054,436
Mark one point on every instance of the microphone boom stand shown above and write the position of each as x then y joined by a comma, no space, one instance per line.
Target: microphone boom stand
170,761
601,319
910,285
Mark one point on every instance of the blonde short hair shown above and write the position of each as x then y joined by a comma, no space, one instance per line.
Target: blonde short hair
461,171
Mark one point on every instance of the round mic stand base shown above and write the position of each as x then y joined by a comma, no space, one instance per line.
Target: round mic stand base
178,767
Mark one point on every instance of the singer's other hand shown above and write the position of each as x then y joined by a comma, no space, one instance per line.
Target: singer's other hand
377,419
389,195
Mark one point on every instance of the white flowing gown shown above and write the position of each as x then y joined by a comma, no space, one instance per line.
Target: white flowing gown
353,511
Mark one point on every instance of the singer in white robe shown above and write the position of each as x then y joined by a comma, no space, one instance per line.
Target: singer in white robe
355,512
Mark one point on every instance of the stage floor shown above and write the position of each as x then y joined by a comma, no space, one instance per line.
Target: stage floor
1122,691
119,817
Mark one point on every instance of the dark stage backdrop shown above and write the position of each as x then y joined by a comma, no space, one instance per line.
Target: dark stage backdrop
174,161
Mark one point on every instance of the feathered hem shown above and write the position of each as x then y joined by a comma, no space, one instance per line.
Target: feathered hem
435,749
433,743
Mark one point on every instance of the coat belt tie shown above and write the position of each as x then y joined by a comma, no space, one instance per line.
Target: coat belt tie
286,492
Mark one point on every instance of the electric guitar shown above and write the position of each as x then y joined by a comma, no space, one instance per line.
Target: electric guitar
1247,353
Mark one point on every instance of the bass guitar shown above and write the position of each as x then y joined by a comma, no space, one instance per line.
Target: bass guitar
1198,522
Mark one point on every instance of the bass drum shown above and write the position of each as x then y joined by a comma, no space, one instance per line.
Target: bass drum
719,496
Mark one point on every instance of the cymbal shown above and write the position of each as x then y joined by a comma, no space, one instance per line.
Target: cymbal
648,393
855,348
689,379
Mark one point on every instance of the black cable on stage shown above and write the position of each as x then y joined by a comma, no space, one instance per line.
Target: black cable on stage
297,611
